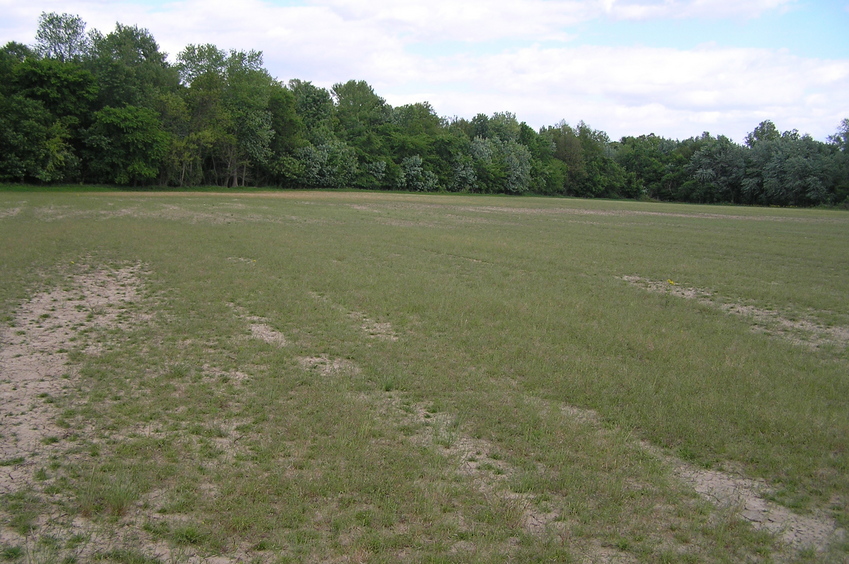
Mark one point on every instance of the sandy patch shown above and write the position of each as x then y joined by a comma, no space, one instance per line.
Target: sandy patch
747,498
241,259
259,327
743,496
34,366
266,333
798,331
326,366
476,459
9,212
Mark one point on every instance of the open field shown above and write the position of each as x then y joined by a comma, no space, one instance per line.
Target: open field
365,377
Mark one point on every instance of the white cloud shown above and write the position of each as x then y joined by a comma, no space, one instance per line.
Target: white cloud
470,20
640,90
713,9
413,52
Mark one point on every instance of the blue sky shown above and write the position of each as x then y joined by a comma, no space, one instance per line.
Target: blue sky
628,67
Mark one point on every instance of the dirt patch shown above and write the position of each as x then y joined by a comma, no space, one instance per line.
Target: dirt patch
36,373
215,372
9,212
374,329
259,327
326,366
745,496
476,459
35,367
208,214
265,333
748,499
798,331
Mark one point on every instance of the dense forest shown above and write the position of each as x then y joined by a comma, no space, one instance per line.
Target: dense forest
86,107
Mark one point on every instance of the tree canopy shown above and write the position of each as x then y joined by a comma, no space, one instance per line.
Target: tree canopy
82,106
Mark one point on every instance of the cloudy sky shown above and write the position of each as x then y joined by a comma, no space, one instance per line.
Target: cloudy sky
629,67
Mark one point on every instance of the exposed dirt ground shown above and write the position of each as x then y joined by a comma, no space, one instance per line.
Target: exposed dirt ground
799,331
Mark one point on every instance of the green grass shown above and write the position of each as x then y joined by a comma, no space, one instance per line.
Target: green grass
506,312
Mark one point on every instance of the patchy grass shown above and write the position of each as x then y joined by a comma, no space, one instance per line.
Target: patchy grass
325,376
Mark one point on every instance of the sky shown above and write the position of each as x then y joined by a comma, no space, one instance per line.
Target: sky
675,68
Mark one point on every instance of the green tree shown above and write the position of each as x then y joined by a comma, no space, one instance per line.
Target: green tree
61,37
840,140
126,145
228,99
332,165
358,110
11,55
792,170
282,167
314,106
67,92
130,68
765,131
65,88
33,144
718,169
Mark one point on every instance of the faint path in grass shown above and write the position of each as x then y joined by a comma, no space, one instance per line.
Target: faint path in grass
798,331
487,472
189,211
382,331
477,460
744,497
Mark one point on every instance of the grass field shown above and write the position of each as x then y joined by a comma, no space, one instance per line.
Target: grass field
366,377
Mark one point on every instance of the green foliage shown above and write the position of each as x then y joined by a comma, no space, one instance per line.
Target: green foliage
718,169
127,145
130,68
65,88
225,121
332,165
35,148
61,36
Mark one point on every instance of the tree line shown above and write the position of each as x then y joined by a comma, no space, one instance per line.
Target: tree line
89,107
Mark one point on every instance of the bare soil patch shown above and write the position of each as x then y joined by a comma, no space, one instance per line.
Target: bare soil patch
326,366
799,331
260,329
9,212
35,366
266,333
